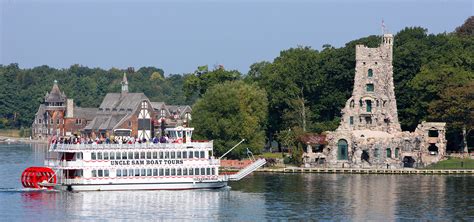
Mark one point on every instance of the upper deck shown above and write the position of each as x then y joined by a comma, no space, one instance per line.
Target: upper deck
137,146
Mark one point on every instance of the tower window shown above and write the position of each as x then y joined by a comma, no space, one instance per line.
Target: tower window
370,73
369,106
370,87
351,120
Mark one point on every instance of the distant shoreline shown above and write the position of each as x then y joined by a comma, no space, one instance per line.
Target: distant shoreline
16,140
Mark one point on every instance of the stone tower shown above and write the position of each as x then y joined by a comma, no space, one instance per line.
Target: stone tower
372,105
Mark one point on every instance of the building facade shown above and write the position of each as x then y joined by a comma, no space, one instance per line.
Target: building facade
119,114
369,134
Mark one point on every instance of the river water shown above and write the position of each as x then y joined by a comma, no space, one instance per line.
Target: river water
258,197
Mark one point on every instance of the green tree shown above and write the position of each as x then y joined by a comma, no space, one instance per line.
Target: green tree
229,112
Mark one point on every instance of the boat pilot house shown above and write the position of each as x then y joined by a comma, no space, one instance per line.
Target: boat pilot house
123,114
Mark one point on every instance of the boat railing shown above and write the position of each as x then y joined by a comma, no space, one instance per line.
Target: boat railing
75,147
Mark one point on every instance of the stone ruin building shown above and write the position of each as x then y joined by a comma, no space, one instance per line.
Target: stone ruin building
369,134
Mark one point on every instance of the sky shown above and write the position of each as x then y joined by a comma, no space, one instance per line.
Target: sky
180,35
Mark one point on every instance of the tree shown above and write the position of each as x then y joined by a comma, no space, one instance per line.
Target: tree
466,29
197,83
229,112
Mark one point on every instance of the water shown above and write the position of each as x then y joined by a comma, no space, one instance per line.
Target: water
259,197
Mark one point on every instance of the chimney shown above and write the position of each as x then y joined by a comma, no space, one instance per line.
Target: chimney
70,108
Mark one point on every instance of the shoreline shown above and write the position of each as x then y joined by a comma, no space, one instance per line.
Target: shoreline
19,140
409,171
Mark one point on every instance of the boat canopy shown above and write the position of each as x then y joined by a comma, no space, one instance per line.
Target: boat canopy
180,133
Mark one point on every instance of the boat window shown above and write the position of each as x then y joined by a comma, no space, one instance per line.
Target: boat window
143,172
112,155
173,155
161,172
130,172
93,156
203,171
79,156
117,155
94,173
148,172
137,172
178,155
106,173
196,171
196,154
142,155
173,172
185,172
208,171
161,155
167,155
124,155
148,155
190,154
185,154
130,155
167,172
118,173
100,173
137,155
99,155
213,171
106,155
191,171
155,172
124,172
202,154
155,155
178,171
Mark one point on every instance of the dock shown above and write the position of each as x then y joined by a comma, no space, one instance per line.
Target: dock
365,171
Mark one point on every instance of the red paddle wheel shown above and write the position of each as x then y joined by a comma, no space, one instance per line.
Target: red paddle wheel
38,177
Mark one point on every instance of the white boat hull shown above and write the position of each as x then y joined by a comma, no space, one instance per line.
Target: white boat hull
144,186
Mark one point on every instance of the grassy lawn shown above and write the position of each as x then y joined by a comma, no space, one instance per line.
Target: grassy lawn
271,155
453,163
10,132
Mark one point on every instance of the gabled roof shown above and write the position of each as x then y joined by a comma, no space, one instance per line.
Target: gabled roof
55,95
122,102
41,110
85,113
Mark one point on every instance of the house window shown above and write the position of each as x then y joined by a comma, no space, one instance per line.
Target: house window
144,105
78,121
162,113
351,120
129,123
389,153
370,73
39,121
370,87
377,153
397,150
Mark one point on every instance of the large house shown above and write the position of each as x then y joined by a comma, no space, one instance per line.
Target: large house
119,114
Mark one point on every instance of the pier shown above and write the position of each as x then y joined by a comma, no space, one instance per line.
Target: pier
366,171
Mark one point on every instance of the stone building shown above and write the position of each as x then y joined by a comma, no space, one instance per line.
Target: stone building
119,114
59,116
369,134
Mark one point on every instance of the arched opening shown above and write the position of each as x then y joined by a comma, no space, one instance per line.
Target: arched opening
342,149
408,161
433,149
365,156
370,73
352,104
389,153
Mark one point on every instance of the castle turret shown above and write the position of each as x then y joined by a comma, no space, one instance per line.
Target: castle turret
373,105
